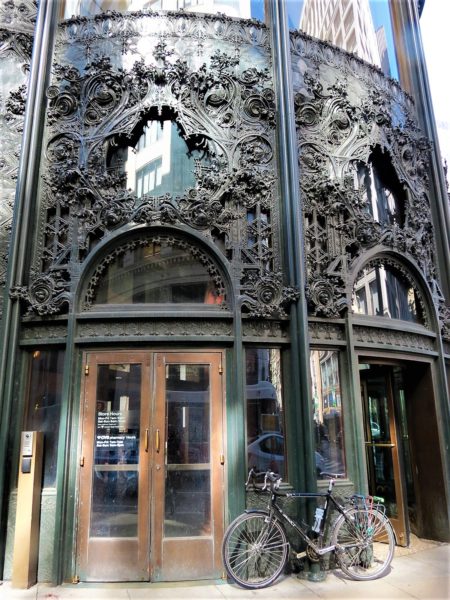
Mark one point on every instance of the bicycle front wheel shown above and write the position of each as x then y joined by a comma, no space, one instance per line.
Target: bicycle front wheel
255,550
364,542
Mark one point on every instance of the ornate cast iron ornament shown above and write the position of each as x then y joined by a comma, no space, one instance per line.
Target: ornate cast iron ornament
17,22
211,75
223,106
347,112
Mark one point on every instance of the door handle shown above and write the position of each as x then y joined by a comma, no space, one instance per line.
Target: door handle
380,444
146,440
157,441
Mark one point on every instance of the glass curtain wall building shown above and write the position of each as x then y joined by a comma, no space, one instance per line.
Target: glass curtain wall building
223,244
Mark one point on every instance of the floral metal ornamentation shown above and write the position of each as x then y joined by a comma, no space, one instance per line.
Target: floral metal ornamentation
224,107
345,111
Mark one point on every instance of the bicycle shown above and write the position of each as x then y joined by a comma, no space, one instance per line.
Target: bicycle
255,547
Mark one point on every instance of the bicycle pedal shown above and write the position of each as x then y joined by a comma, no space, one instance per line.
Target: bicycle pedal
300,554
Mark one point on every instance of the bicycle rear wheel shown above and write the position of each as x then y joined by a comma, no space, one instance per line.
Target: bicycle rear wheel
364,542
254,550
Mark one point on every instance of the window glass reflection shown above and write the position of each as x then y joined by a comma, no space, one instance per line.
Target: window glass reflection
161,162
232,8
363,27
157,274
382,192
114,508
44,405
188,480
328,421
265,416
382,291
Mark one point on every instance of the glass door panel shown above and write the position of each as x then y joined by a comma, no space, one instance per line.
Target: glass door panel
114,507
113,517
383,464
187,487
188,525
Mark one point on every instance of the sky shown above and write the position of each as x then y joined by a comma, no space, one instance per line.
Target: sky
436,41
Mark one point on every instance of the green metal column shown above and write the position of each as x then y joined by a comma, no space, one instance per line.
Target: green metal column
22,229
236,419
63,543
302,473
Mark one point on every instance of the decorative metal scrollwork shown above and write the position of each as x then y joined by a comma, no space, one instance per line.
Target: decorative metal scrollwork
224,107
346,112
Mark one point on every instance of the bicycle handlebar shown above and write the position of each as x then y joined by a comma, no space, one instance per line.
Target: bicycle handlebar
333,475
272,480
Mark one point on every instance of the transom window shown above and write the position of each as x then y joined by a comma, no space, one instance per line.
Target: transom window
160,272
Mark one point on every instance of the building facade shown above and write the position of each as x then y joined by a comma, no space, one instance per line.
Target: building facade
224,243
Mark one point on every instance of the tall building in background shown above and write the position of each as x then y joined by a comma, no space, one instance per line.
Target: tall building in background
345,23
223,243
382,50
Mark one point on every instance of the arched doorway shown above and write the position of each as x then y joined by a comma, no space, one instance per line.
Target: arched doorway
151,463
401,433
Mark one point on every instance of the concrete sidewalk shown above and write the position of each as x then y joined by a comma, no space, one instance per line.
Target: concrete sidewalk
423,575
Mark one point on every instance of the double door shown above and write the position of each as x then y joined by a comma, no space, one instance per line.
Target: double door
151,483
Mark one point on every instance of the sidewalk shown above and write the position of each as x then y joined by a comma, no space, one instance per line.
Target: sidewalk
423,575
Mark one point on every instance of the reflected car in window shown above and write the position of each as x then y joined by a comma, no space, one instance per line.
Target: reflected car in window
267,452
375,429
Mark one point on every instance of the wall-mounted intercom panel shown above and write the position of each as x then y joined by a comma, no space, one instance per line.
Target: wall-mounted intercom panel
26,537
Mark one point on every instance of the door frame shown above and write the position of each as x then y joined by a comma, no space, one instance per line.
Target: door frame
146,523
400,522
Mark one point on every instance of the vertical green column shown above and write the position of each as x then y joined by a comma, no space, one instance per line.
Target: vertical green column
357,438
22,228
414,78
236,419
65,472
299,432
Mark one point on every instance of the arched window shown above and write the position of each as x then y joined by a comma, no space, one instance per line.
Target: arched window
386,290
381,188
161,270
160,161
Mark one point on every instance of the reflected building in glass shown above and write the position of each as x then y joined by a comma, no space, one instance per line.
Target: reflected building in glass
345,23
223,245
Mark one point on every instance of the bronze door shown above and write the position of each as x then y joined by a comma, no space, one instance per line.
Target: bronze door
151,467
382,445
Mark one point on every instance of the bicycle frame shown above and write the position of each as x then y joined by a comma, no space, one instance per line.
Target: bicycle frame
256,546
275,510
